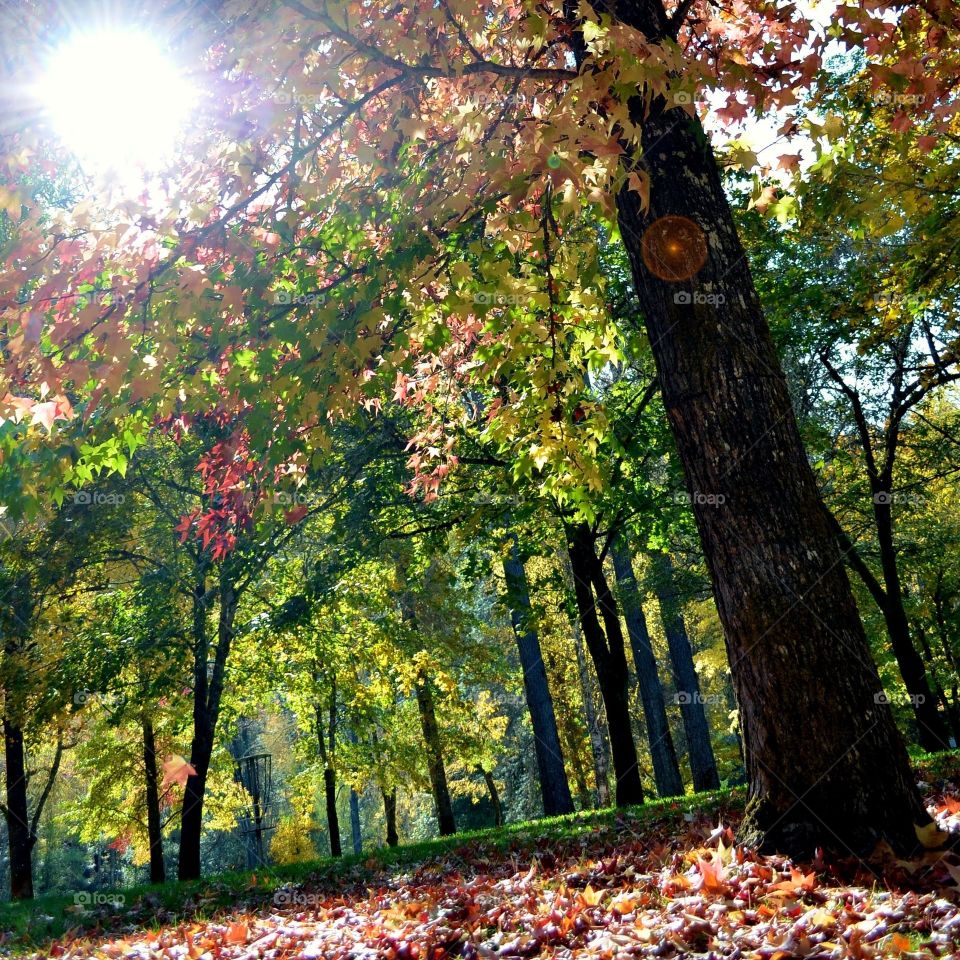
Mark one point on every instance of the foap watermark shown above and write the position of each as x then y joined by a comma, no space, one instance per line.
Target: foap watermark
96,899
699,498
285,498
493,298
496,100
694,696
294,98
888,98
109,700
887,498
296,898
289,298
883,697
93,498
686,298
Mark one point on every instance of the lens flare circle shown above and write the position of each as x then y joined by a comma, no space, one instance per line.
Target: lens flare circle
674,248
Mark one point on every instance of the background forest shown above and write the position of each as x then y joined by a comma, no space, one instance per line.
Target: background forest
307,549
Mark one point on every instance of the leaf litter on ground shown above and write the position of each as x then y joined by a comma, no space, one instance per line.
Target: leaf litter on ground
673,886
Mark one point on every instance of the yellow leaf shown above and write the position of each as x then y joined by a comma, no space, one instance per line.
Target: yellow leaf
931,836
639,182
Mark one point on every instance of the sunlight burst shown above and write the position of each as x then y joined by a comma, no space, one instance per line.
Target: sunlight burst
115,100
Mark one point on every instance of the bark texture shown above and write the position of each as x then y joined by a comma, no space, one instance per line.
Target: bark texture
666,769
606,648
826,763
552,776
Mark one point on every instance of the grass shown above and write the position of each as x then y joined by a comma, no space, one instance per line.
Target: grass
31,924
28,925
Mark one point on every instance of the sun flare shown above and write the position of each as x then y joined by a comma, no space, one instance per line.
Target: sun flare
115,100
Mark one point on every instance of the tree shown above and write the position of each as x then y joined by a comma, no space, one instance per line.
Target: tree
665,766
554,789
614,129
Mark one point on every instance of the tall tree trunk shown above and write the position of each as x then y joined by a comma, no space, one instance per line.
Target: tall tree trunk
931,729
355,833
703,764
207,696
666,769
554,788
571,738
390,816
154,831
333,821
438,773
326,745
595,727
494,794
17,814
609,658
826,764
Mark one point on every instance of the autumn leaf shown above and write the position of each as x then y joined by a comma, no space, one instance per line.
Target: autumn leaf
237,933
176,770
931,836
712,876
797,884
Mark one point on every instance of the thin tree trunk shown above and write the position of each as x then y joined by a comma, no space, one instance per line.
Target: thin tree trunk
554,788
206,710
355,833
931,730
390,815
826,764
929,727
703,764
154,831
595,726
438,773
333,821
609,659
666,769
494,797
326,744
17,813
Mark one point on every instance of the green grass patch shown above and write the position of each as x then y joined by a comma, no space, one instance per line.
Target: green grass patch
29,925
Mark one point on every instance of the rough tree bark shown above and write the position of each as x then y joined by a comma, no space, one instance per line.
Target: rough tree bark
207,696
390,816
154,831
435,766
596,729
703,764
609,658
554,787
826,763
666,769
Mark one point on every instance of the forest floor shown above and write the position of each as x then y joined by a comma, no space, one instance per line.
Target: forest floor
663,880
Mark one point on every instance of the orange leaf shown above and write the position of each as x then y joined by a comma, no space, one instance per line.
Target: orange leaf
237,933
798,883
176,770
712,876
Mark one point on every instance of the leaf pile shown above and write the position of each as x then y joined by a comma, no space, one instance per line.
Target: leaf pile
676,886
